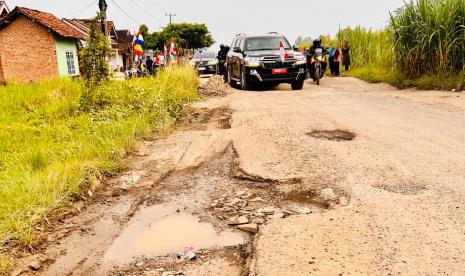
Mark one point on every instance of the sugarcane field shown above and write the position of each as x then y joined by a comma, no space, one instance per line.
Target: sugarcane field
257,138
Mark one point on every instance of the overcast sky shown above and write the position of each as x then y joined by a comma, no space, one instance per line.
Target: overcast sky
227,18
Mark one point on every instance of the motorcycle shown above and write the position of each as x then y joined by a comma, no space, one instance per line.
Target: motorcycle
136,73
316,64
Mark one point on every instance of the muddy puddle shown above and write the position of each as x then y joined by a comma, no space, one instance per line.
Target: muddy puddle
164,230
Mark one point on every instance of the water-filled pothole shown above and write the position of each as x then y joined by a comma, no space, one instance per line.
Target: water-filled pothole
337,135
161,230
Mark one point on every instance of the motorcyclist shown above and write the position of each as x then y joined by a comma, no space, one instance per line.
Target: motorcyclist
311,52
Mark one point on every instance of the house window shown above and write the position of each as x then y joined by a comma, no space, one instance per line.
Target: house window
70,63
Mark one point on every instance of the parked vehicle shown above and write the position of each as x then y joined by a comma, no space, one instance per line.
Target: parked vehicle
259,60
205,63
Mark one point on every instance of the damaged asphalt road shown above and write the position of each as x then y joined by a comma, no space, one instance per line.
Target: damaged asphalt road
345,178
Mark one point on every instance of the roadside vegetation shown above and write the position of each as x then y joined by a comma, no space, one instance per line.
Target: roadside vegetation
54,144
423,46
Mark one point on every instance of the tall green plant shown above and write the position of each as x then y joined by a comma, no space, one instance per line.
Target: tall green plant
369,47
95,56
429,36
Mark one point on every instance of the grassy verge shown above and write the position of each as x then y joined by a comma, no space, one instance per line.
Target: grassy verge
447,82
51,141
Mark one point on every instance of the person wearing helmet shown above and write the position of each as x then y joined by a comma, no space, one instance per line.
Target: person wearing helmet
222,58
311,53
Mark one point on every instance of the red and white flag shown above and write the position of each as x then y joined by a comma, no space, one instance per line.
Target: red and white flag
165,50
282,51
172,49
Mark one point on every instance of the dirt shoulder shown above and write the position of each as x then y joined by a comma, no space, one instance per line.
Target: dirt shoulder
285,195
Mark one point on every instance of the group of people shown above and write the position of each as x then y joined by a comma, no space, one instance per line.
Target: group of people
338,55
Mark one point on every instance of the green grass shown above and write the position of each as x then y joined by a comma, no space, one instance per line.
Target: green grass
429,36
54,136
423,46
444,81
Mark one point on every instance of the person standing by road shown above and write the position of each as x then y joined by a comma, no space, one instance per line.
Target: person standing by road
346,61
337,61
149,64
331,51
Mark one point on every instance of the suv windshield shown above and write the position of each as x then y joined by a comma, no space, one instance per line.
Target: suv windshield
265,43
206,55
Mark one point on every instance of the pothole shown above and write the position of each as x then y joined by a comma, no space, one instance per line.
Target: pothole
162,230
337,135
204,118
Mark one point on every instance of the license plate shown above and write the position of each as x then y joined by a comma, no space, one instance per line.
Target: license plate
202,68
279,71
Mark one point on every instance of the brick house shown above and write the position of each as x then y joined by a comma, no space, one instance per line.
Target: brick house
35,46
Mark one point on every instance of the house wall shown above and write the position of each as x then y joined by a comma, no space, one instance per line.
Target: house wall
27,52
62,46
116,61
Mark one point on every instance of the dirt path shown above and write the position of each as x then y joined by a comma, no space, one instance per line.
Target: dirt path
346,178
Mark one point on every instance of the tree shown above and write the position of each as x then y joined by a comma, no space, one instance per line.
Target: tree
304,42
95,56
188,35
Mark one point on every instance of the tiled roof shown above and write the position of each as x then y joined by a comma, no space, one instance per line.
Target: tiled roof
87,22
4,10
124,41
124,36
83,26
45,19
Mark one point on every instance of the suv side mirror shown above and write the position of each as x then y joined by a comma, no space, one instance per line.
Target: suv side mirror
237,50
295,48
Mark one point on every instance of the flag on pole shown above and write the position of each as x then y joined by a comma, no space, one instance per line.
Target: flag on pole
165,50
172,49
138,46
282,51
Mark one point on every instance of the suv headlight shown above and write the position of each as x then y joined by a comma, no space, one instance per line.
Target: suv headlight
252,61
300,58
213,62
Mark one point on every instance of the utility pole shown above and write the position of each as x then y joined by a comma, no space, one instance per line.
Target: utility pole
171,15
102,4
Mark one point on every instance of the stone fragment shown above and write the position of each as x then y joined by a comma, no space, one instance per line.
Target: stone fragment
328,194
250,228
257,199
278,216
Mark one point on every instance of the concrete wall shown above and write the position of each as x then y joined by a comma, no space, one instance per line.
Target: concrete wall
27,52
62,46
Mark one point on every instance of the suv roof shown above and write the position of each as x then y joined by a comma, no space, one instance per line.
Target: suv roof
270,34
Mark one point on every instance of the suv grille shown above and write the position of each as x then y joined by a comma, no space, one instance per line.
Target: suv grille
271,62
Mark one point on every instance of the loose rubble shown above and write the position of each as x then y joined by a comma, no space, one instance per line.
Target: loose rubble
215,86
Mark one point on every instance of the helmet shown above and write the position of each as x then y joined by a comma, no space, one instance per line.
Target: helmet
222,46
317,43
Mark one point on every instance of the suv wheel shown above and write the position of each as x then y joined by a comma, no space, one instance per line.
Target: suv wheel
231,82
298,84
245,85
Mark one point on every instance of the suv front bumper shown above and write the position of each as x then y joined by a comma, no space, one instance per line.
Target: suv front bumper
260,74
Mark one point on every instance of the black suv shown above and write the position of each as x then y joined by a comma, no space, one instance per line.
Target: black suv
258,59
